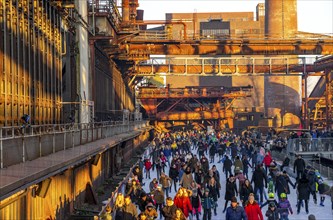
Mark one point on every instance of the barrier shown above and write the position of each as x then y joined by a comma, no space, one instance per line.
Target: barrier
114,194
40,140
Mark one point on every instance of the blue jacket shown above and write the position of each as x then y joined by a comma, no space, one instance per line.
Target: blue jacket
207,202
237,213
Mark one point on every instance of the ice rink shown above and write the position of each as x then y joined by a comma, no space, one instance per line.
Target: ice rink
321,213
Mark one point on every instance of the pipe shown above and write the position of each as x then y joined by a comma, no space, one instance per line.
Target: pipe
164,22
125,11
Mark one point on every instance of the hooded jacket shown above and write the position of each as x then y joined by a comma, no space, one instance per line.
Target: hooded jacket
253,211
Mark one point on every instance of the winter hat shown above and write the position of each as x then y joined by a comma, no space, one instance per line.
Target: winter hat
272,204
150,205
311,217
206,190
234,199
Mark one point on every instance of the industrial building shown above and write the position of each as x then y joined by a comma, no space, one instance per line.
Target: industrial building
76,107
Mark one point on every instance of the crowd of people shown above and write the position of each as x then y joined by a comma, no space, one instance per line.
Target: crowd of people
185,162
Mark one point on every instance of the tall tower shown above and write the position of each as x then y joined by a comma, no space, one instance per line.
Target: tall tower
282,93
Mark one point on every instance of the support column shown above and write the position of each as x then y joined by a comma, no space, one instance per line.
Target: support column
83,63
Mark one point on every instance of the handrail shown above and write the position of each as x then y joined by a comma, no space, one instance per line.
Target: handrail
119,189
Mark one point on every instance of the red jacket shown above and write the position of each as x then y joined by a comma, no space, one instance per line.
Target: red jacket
253,211
267,160
184,204
148,165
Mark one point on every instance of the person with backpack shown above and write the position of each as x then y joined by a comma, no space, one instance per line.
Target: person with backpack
207,203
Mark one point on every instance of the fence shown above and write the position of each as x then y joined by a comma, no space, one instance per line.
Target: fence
47,139
114,194
315,162
298,145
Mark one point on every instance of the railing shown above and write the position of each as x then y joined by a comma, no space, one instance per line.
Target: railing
47,139
120,189
307,145
325,171
223,65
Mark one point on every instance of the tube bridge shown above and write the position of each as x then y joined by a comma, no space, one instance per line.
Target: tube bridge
229,65
136,47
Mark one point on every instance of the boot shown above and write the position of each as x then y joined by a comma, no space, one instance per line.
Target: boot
322,199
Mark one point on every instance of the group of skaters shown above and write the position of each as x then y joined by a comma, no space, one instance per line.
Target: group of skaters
191,174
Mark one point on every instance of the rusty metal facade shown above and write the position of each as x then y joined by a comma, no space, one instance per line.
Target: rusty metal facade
30,62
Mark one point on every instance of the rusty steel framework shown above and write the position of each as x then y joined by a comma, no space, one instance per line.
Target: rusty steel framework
30,61
136,48
191,104
207,66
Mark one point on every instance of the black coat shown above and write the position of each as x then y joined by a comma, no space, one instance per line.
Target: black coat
281,185
303,189
173,173
227,165
214,191
272,215
245,192
286,162
258,178
230,190
299,164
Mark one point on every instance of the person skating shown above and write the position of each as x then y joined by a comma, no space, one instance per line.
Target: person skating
285,163
245,191
280,184
235,212
143,201
148,166
284,207
166,182
207,203
159,198
252,209
230,191
195,201
238,165
272,212
150,211
173,174
214,191
260,180
270,200
267,161
227,164
169,210
303,189
299,166
130,210
187,178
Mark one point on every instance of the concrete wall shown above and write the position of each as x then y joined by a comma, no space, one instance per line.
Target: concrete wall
67,189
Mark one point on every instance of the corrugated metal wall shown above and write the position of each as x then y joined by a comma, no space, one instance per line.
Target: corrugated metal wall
30,62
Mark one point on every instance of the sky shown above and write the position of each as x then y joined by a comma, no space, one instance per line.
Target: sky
314,16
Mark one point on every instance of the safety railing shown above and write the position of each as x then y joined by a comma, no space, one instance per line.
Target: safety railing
307,145
325,171
21,144
119,189
224,65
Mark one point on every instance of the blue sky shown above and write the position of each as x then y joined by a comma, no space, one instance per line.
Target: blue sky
313,15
